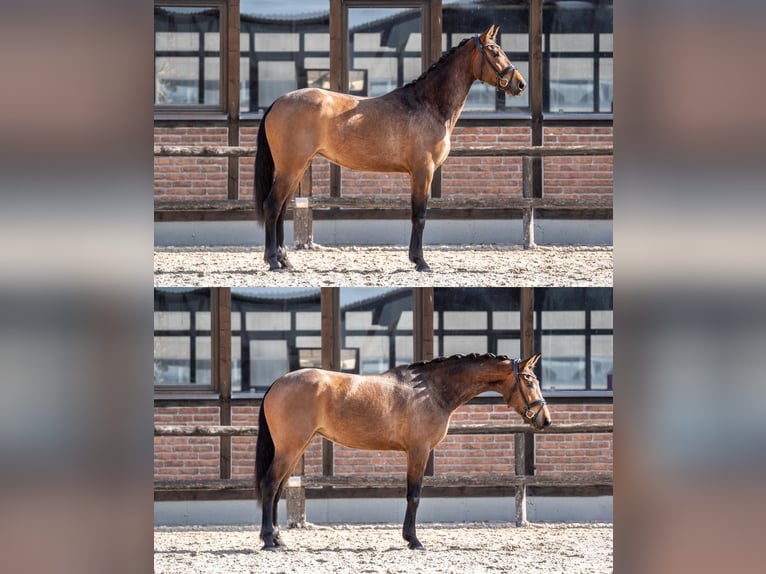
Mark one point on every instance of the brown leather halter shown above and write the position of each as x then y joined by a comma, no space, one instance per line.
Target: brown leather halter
528,414
500,73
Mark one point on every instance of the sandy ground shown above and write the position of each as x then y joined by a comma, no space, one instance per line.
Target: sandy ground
356,549
387,266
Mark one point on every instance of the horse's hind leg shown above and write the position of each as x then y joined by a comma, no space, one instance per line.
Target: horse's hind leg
285,184
281,249
283,466
421,183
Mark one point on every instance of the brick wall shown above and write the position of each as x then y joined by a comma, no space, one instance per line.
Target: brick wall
186,457
579,454
585,177
576,454
205,178
179,178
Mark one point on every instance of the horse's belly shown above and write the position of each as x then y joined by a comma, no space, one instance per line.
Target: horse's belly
363,160
361,440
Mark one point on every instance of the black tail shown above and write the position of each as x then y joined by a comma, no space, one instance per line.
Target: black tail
264,451
264,168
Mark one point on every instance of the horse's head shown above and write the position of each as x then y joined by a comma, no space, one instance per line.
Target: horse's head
494,67
522,392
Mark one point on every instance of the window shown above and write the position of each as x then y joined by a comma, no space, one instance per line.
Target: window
182,338
476,321
385,48
283,46
273,331
188,69
577,57
464,18
376,327
573,331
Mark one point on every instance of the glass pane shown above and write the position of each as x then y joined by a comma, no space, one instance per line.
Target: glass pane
574,357
275,79
571,85
268,362
267,321
187,52
601,361
577,59
564,320
563,362
182,337
509,347
377,324
265,346
601,319
465,321
464,344
385,48
283,46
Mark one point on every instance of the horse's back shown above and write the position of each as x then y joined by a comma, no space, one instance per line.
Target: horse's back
357,411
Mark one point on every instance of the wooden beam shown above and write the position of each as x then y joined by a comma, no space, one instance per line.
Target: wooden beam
391,481
331,341
220,332
401,203
535,150
232,93
454,429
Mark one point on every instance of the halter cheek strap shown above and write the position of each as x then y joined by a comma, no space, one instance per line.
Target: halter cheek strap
500,74
528,414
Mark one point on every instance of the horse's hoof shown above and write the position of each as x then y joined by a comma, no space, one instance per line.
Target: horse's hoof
269,548
277,269
286,265
423,267
416,545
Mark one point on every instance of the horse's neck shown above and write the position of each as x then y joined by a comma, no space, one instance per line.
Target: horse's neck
460,386
446,88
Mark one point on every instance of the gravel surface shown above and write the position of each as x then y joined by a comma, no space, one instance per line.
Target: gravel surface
465,548
388,266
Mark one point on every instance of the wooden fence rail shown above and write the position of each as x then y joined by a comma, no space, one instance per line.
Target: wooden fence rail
304,202
296,494
470,151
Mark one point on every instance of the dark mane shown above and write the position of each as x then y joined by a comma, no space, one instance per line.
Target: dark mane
459,357
445,56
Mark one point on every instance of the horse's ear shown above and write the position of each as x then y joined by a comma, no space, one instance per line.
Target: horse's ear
531,361
489,34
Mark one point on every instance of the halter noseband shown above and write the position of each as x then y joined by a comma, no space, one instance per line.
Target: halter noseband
500,74
528,414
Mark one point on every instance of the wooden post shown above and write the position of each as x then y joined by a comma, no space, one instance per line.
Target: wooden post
303,224
220,331
528,213
423,337
295,497
536,86
523,443
521,503
330,355
231,77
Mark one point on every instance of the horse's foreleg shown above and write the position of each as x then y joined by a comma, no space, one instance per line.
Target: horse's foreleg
421,183
416,467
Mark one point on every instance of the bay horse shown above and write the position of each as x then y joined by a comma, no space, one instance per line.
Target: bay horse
407,408
406,130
